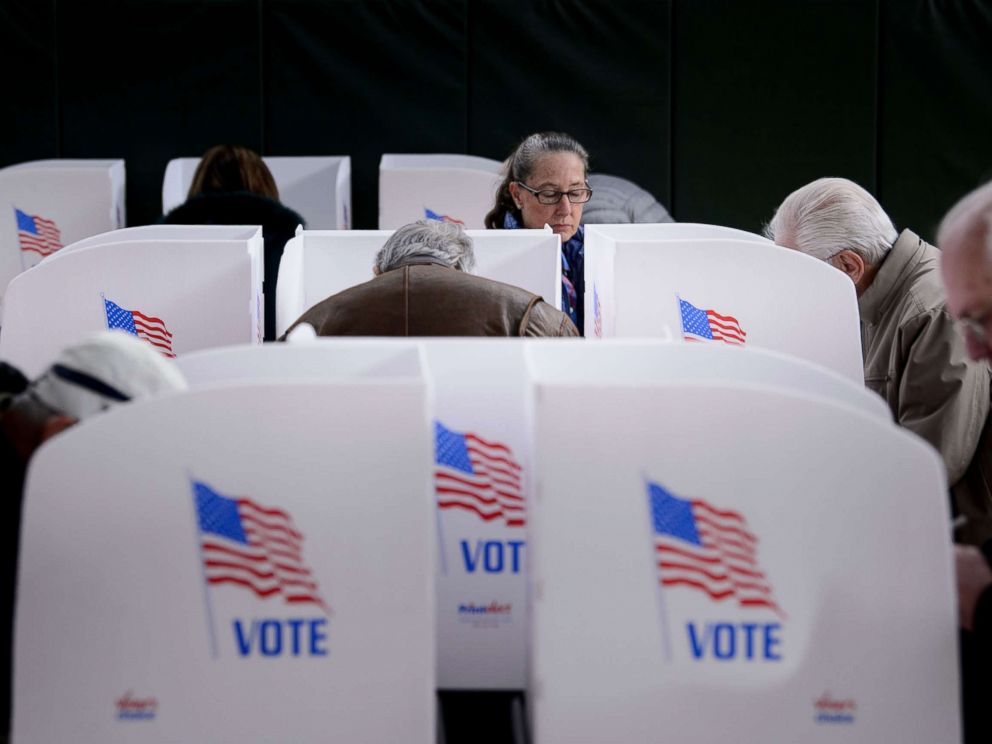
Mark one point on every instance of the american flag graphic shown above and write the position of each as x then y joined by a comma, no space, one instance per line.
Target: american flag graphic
709,325
597,314
708,549
432,215
151,329
254,547
477,475
37,234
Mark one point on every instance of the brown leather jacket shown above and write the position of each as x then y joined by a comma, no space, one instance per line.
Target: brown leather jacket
433,300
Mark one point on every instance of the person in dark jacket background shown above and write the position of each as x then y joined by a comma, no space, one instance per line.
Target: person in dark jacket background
233,186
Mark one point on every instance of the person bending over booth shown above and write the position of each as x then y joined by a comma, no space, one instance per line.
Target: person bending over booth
422,288
233,186
102,371
545,183
914,357
965,240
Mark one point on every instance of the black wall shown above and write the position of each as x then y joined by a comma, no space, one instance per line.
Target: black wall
719,107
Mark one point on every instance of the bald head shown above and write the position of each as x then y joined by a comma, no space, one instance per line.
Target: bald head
965,240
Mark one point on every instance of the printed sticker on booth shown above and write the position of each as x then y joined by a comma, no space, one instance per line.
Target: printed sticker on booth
37,234
711,551
477,475
147,327
258,549
430,214
708,325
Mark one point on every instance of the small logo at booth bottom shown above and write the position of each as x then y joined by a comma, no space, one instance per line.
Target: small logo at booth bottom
485,615
130,708
830,710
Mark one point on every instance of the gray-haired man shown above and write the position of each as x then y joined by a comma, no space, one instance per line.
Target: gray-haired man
422,288
914,357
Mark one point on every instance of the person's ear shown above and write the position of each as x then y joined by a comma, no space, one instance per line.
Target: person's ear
515,193
56,424
851,264
375,270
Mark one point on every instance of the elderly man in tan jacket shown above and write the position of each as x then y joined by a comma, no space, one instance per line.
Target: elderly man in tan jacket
422,287
914,356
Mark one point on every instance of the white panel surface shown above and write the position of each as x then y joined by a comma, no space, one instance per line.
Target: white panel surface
117,619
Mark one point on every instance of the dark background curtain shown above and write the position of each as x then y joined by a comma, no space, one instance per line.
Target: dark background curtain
718,107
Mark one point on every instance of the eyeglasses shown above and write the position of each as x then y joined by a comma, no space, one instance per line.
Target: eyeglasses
547,196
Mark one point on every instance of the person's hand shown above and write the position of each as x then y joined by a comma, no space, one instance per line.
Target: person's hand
974,576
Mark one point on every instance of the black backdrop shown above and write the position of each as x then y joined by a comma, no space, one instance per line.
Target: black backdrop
719,107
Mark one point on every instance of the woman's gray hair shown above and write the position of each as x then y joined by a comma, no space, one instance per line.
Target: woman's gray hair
520,165
830,215
427,241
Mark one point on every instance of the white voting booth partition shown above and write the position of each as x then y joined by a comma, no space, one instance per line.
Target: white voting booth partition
317,188
454,188
266,580
650,361
673,231
317,264
483,462
722,291
481,466
165,232
702,566
177,294
47,204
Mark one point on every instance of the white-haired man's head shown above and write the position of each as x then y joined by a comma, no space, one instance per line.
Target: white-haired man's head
837,221
965,240
427,241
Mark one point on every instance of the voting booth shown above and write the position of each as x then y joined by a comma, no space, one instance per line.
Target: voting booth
316,188
481,466
453,188
744,293
317,264
732,562
649,361
177,294
48,204
672,231
266,580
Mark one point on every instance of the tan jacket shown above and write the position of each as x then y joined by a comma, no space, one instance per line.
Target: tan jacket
915,358
432,300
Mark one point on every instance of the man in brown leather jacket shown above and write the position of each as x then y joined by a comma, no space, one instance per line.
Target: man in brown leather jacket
914,356
422,288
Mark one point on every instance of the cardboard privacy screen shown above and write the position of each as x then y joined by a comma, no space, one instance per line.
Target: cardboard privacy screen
453,188
672,231
482,472
648,362
318,188
179,295
318,264
702,566
48,204
257,582
744,293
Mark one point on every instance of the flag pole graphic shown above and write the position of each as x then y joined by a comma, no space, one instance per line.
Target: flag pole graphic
203,571
666,641
437,509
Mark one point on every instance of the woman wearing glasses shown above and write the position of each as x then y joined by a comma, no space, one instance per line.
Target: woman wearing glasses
545,184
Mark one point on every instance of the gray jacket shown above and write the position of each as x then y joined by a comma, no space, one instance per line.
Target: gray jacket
915,358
